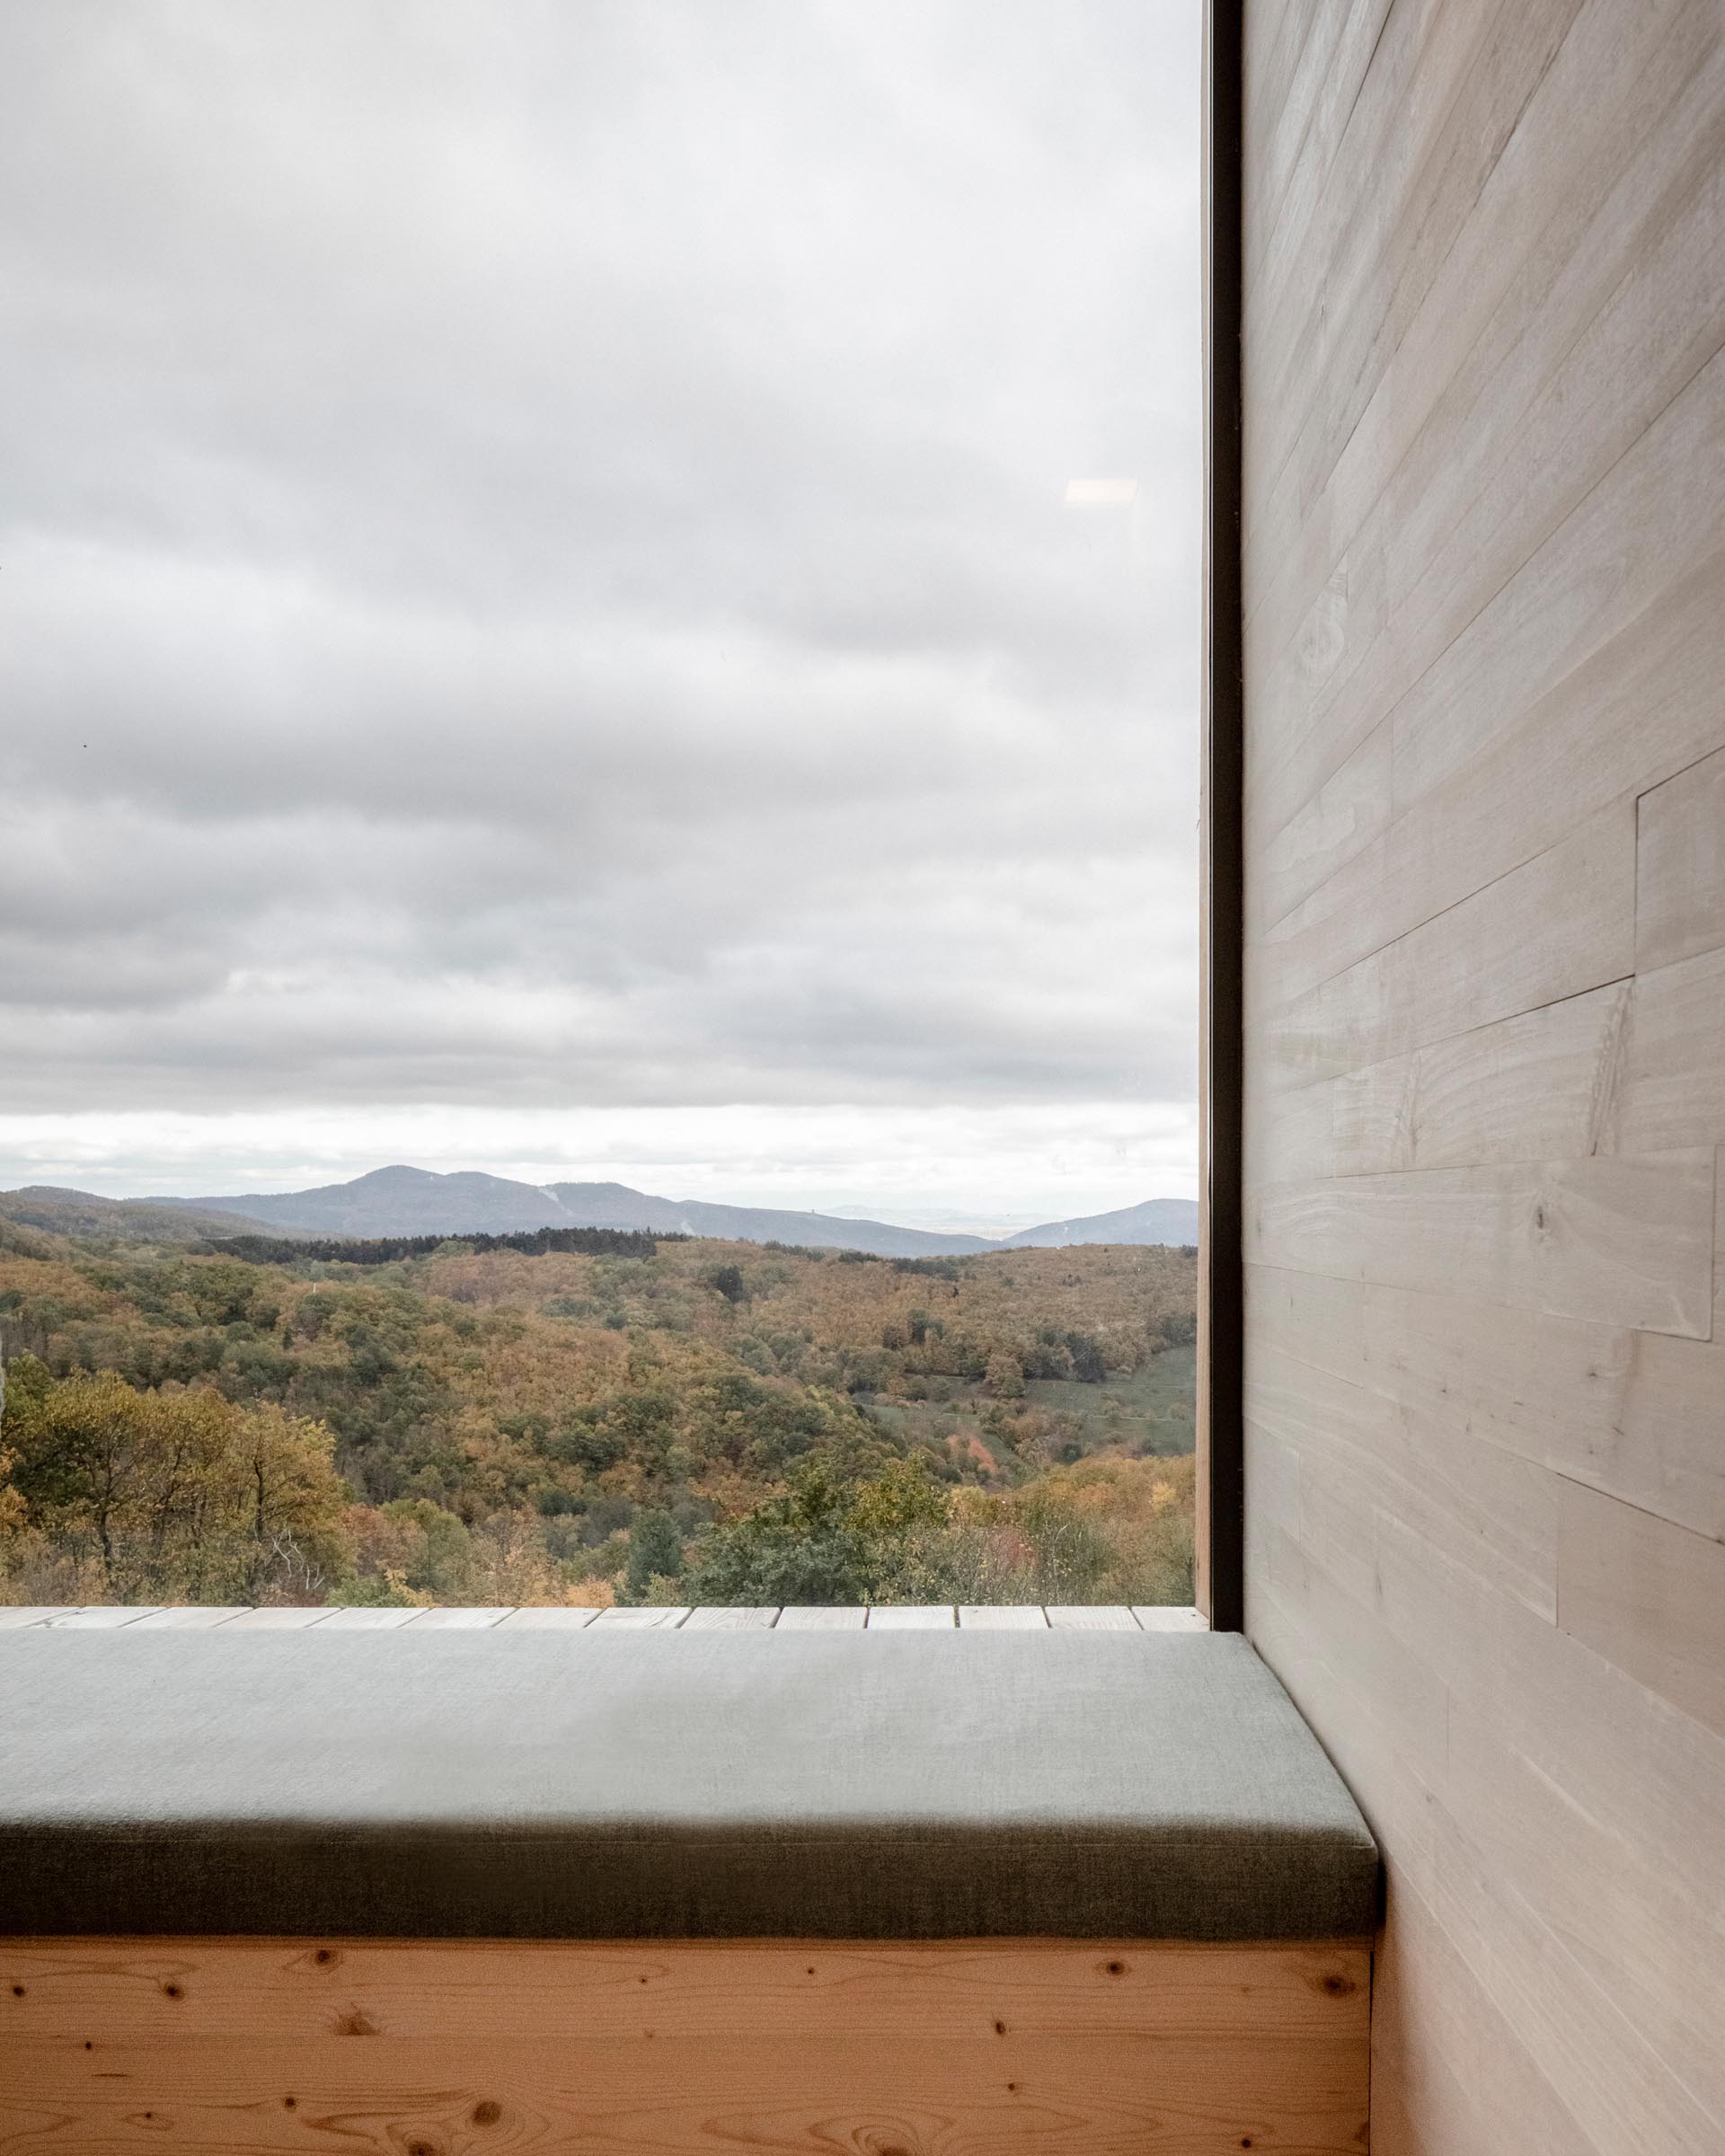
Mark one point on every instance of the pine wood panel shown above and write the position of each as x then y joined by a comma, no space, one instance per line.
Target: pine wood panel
1617,1239
1561,924
1484,597
1646,1595
1680,863
1540,1086
1103,2048
1634,1414
145,1991
1672,1091
1652,655
1476,553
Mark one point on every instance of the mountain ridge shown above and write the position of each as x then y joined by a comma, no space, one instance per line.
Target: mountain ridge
402,1200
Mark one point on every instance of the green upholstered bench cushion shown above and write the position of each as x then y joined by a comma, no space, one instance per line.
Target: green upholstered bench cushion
884,1785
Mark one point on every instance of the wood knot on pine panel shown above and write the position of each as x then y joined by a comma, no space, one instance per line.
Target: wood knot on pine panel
486,2113
1338,1985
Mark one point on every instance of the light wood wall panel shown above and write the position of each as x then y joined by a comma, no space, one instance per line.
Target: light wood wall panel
1483,523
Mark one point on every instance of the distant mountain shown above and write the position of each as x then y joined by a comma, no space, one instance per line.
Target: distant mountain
1157,1220
400,1201
122,1219
414,1201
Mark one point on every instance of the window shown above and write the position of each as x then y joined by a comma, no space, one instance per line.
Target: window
602,630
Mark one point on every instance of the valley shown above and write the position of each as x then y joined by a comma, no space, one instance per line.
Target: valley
636,1419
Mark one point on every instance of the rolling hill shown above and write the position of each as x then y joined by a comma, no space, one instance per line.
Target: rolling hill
415,1201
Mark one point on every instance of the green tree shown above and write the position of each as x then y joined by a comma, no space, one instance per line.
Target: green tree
655,1551
821,1539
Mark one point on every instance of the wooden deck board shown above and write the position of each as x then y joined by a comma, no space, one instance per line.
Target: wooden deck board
448,1617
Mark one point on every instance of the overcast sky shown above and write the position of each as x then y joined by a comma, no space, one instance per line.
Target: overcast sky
539,625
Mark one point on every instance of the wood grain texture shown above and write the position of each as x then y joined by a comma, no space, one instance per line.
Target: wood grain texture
1103,2048
1484,605
1672,1087
1646,1595
1612,1238
1558,925
1680,863
1168,1617
1541,1086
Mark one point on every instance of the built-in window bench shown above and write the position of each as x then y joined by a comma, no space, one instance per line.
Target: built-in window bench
427,1891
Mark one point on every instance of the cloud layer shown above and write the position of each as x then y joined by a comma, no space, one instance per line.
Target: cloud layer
534,578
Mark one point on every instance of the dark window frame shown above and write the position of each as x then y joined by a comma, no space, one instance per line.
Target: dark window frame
1221,1414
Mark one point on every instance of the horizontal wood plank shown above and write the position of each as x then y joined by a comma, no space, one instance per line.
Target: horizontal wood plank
1169,1617
1542,1086
1070,2095
1680,861
1671,1092
144,1991
1628,1242
1648,1595
1100,2048
1554,928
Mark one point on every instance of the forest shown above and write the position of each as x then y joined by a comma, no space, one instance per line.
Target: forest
636,1419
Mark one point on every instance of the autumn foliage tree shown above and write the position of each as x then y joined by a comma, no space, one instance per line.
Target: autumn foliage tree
178,1496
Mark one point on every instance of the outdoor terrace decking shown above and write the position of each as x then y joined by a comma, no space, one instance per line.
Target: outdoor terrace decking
852,1617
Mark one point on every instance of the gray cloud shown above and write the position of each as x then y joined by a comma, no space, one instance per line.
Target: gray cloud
533,569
